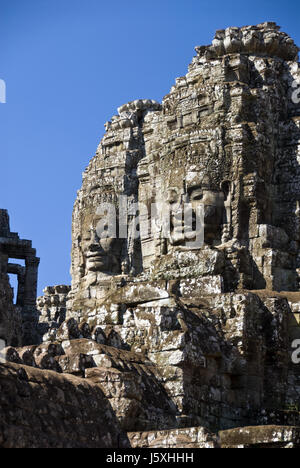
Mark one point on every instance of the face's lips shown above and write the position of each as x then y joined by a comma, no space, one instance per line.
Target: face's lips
95,255
96,261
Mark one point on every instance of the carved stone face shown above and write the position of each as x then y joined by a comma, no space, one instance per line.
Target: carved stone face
100,254
201,198
212,202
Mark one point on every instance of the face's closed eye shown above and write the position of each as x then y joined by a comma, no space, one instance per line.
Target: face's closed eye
196,194
197,197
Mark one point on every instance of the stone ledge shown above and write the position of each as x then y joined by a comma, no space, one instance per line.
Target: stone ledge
271,436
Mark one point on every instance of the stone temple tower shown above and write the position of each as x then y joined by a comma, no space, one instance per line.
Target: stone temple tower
225,139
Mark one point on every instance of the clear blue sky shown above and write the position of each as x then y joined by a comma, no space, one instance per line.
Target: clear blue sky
68,65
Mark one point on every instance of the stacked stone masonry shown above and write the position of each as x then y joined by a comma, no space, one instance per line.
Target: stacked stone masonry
185,345
19,321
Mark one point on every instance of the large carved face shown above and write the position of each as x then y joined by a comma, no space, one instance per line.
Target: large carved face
203,207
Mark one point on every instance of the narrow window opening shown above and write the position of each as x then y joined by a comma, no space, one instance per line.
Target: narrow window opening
13,280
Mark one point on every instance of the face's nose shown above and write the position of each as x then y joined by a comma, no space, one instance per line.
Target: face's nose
101,246
94,242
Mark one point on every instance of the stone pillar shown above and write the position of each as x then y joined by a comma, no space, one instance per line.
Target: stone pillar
21,287
31,278
4,224
30,314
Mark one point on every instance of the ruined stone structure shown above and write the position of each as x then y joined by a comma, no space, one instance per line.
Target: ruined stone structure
190,343
17,322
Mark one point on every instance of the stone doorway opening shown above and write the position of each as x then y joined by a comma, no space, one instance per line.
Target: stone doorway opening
16,273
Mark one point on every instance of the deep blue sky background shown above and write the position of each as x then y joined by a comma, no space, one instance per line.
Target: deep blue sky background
68,65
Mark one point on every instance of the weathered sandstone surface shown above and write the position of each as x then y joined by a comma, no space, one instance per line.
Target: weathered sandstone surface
174,343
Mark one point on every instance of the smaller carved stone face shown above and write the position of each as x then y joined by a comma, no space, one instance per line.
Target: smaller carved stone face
101,254
213,205
183,218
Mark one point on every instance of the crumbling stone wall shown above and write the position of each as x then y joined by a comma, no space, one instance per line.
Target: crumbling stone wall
18,323
42,409
218,361
52,307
